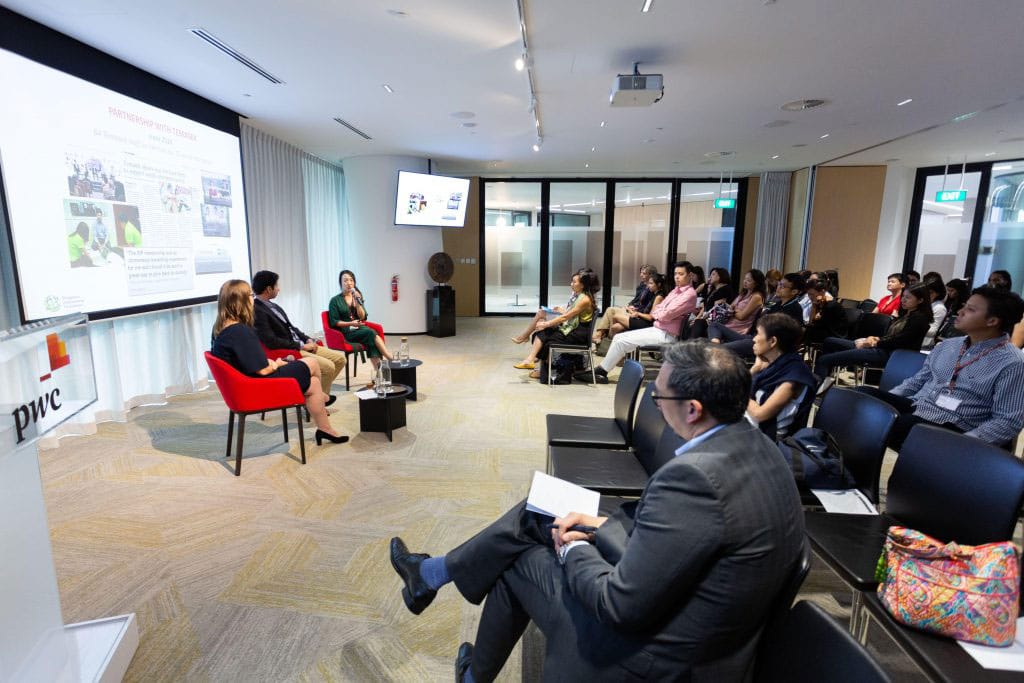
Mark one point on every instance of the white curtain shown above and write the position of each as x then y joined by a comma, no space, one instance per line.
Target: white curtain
296,212
772,220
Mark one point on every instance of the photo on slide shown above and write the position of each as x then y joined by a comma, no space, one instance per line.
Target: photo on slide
129,228
88,227
213,260
176,198
217,189
216,221
92,177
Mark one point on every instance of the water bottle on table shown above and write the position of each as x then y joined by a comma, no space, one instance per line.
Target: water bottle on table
378,380
385,374
403,352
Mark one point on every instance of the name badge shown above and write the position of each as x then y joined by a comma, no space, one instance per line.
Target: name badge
947,402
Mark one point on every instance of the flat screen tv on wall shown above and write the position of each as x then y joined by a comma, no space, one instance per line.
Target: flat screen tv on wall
431,200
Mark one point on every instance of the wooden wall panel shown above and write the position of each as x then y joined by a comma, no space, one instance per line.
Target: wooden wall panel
462,244
847,205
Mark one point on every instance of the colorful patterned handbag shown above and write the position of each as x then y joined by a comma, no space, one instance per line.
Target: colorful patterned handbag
970,593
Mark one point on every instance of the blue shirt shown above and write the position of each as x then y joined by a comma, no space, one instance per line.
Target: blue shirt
990,390
692,443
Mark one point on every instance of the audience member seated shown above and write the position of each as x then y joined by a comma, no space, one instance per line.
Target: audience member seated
890,303
772,277
643,299
638,318
676,586
913,277
833,282
906,332
276,331
787,295
783,386
668,319
936,294
972,384
1000,279
717,289
698,281
235,342
532,330
571,327
347,313
805,299
735,321
957,292
828,319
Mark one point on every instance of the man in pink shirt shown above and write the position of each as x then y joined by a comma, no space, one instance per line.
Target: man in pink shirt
668,318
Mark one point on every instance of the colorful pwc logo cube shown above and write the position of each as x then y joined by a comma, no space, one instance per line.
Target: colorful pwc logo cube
58,353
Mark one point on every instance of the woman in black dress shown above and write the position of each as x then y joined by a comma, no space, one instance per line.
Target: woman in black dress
235,342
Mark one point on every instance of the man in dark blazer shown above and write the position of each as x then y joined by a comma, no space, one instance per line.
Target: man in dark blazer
276,331
675,586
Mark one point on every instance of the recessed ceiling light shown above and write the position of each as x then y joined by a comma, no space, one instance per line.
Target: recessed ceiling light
803,105
647,6
469,124
397,13
906,101
388,88
602,124
777,123
822,137
536,147
990,154
462,115
718,155
800,144
776,156
520,63
586,165
964,117
593,149
893,160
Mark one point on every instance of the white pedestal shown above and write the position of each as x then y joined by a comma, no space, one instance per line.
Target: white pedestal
104,648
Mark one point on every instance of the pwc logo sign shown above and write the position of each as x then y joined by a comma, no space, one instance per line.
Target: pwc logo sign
30,413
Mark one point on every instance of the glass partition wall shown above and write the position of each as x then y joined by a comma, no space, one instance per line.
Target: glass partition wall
536,233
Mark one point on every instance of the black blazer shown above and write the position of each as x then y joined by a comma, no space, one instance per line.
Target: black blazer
273,333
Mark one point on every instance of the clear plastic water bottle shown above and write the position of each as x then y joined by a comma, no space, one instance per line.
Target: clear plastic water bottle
403,352
385,374
378,380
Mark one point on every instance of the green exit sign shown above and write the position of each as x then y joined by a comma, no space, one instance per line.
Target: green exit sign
951,196
725,203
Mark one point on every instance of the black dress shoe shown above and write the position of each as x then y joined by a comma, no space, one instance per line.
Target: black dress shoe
416,593
330,399
463,660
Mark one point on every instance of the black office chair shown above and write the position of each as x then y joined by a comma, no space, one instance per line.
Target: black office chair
868,305
809,646
853,316
859,426
901,365
618,472
946,485
851,303
583,348
616,432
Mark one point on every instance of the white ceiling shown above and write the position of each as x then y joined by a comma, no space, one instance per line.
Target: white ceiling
728,66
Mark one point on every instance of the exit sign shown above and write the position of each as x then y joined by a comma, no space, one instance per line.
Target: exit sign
951,196
725,203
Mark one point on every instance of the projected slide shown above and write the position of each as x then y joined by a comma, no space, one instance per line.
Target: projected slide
113,203
431,200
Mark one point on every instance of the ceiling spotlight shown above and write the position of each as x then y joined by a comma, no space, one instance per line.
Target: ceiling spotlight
536,147
647,6
593,149
388,88
520,63
776,156
990,154
602,124
586,165
906,101
823,136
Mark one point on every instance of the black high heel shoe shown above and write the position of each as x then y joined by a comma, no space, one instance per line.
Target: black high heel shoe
321,435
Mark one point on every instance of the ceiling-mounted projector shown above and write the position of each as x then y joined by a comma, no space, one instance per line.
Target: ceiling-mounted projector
636,89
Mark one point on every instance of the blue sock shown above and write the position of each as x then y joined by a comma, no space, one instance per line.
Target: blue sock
433,571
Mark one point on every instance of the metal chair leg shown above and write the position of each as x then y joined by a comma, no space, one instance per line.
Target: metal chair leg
284,423
231,429
238,446
302,438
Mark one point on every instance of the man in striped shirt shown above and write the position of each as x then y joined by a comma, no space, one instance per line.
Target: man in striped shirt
972,384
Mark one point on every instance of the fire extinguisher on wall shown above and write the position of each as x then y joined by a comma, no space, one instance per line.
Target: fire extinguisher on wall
394,287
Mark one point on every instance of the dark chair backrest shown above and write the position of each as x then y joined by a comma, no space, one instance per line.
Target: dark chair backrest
873,325
868,305
850,303
901,365
668,444
626,391
808,646
955,487
860,425
648,425
853,316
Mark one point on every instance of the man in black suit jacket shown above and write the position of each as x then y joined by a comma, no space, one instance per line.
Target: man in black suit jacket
276,331
675,586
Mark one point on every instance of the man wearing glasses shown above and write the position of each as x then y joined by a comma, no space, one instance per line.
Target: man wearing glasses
675,586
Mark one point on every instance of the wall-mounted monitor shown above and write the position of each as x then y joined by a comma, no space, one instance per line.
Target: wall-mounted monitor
431,200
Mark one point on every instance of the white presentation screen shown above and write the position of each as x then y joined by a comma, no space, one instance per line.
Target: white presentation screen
114,204
431,200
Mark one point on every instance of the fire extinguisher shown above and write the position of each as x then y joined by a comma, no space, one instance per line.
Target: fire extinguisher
394,287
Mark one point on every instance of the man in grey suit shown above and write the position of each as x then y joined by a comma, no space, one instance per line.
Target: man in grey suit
675,586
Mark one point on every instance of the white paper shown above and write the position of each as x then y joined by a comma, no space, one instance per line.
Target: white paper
845,501
366,393
557,498
1004,658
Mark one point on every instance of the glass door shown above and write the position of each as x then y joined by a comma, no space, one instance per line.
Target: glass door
642,217
511,247
944,231
1001,246
576,213
706,233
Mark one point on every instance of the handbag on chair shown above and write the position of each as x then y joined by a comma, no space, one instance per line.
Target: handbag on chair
970,593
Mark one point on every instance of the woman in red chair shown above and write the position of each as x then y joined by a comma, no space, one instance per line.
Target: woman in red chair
235,342
347,314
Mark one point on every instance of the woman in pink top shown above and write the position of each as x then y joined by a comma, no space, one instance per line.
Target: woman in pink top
743,308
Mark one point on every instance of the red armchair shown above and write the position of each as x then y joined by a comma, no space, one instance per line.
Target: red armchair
336,340
246,395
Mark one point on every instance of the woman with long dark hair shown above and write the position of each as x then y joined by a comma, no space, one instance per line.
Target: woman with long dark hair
718,288
570,327
735,322
640,318
347,313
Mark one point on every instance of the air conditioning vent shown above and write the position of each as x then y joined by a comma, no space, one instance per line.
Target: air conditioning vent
235,54
803,105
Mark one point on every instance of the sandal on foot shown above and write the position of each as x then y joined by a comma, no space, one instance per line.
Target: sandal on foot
524,366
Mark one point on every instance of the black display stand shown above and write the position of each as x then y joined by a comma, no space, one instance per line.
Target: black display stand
441,311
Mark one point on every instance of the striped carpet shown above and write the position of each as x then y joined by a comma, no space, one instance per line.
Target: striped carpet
282,574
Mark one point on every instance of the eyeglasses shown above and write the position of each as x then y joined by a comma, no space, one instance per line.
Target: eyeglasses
656,398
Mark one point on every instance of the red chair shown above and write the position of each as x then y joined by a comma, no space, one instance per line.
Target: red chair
336,340
246,395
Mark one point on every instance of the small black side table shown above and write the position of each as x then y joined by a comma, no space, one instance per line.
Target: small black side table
384,413
406,374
